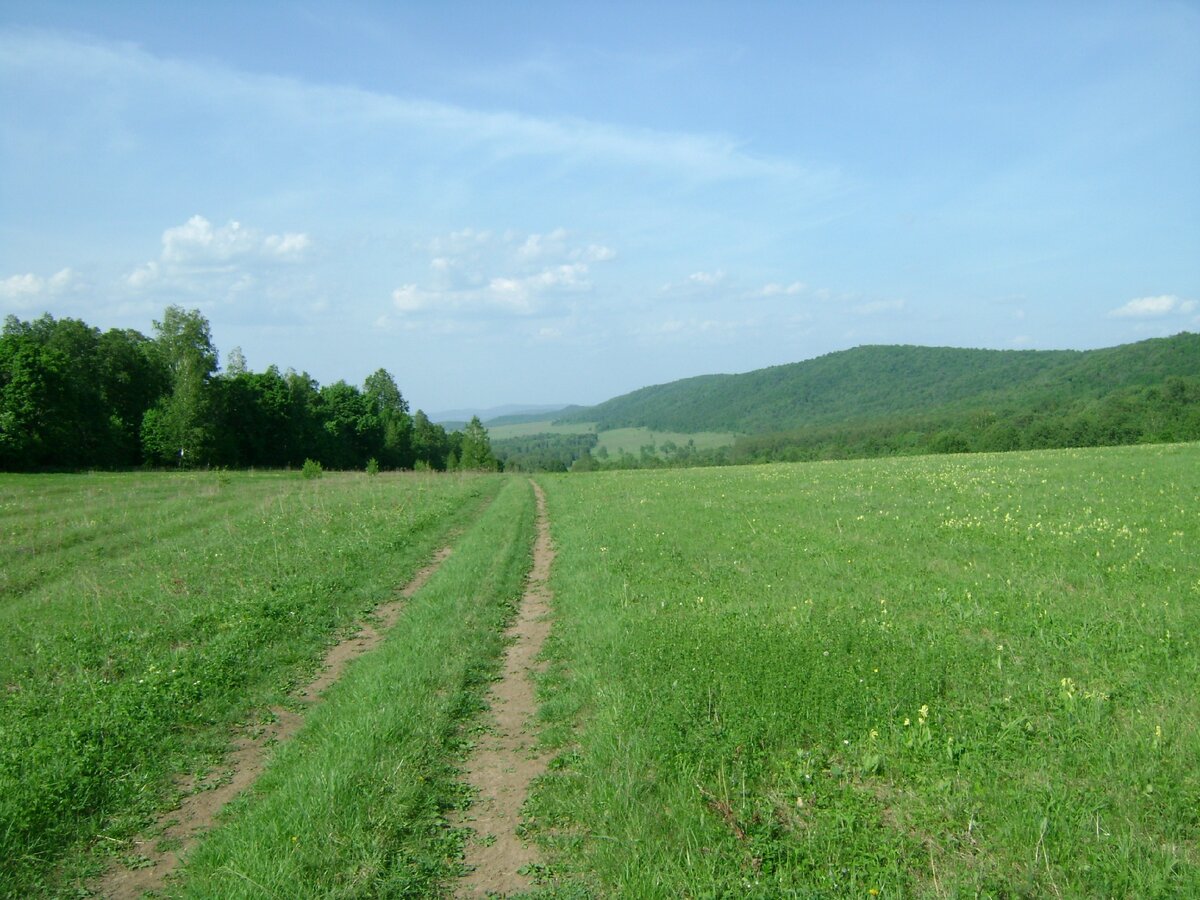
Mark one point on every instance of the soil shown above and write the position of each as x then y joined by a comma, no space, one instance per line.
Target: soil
506,760
180,829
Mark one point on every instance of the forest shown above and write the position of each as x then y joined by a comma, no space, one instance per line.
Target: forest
73,397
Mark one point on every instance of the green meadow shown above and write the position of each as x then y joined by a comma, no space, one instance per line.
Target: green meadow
145,616
936,676
528,429
924,676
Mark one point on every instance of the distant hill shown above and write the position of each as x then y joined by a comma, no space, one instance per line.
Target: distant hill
499,415
537,414
874,384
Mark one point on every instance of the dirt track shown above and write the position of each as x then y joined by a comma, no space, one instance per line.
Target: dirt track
182,828
505,760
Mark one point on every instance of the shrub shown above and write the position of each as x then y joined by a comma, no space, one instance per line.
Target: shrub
311,469
372,466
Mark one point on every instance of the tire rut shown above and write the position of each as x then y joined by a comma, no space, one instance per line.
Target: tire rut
505,760
180,829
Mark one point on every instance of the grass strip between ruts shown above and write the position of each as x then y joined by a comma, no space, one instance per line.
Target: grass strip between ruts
355,805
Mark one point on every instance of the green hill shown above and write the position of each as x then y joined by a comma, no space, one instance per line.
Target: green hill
878,384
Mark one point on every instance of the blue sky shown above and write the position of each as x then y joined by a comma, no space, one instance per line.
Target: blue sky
544,203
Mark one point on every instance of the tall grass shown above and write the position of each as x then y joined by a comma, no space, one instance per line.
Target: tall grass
920,677
141,616
355,806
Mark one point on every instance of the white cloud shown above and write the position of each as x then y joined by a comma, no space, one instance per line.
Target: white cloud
536,245
198,257
60,281
699,285
781,290
597,253
556,245
22,286
286,246
197,242
509,272
142,275
408,298
27,290
1153,307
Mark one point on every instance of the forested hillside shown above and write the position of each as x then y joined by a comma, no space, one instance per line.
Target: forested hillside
72,397
880,401
880,383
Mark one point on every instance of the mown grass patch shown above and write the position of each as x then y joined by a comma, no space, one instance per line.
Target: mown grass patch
142,615
356,804
933,676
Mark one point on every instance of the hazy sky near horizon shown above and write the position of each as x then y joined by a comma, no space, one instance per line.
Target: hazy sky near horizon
545,203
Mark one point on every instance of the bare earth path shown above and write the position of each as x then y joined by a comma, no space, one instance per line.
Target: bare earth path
505,760
180,829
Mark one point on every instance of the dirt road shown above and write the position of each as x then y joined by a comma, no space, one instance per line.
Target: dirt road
506,761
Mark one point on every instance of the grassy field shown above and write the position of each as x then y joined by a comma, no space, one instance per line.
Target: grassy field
615,440
941,676
142,616
527,429
938,676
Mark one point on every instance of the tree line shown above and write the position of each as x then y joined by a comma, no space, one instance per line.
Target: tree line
73,397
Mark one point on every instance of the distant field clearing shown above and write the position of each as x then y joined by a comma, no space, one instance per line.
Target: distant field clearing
525,429
631,440
616,440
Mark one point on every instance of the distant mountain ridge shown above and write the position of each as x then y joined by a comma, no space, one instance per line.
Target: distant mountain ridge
872,383
491,415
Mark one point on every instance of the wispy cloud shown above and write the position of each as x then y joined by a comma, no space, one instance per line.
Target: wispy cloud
694,328
876,307
479,271
701,284
780,290
342,110
1153,307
